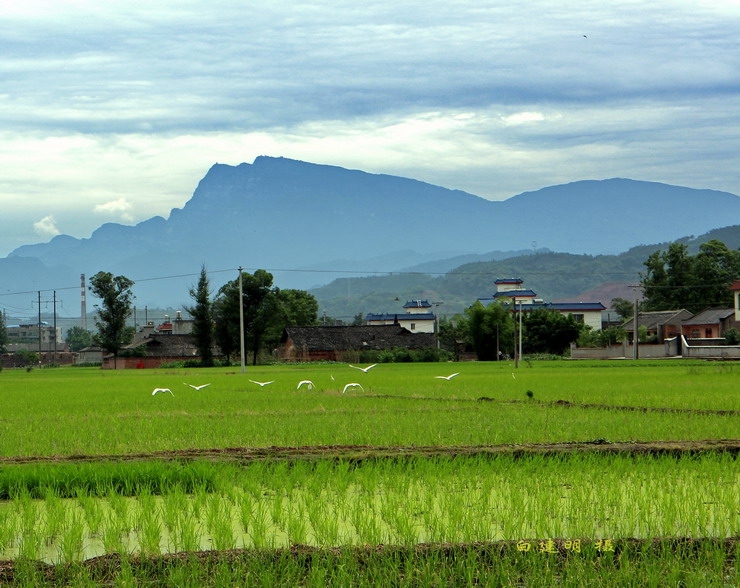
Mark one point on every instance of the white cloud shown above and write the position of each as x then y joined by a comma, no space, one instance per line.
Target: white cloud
521,118
128,105
120,208
46,227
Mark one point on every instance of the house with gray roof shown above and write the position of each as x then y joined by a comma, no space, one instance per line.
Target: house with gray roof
660,325
709,324
337,343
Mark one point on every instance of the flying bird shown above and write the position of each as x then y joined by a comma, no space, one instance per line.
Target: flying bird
448,378
365,369
261,383
197,387
308,383
353,385
158,390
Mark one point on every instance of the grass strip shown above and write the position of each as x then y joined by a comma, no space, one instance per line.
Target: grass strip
632,562
100,478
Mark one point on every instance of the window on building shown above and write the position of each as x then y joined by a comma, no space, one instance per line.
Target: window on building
579,318
413,326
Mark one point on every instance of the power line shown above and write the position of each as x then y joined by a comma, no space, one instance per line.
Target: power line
353,272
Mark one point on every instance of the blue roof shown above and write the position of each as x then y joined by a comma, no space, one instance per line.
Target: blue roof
515,294
401,316
575,306
417,304
559,306
509,281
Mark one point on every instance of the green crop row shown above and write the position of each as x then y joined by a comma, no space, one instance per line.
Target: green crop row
72,412
583,498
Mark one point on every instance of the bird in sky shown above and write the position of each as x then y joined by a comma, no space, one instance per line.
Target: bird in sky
194,387
365,369
448,378
158,390
261,383
308,383
353,385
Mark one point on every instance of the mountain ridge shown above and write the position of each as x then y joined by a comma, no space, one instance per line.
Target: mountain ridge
298,219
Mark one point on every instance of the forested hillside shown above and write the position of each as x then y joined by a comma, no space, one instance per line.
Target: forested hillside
553,276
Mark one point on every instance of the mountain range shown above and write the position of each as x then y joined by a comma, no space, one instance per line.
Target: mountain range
310,224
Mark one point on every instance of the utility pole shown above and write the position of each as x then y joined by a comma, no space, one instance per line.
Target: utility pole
83,303
241,321
39,293
436,320
520,328
635,352
516,352
54,359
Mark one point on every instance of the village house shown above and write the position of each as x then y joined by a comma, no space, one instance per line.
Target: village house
711,323
512,291
343,343
417,317
35,337
735,289
658,325
153,346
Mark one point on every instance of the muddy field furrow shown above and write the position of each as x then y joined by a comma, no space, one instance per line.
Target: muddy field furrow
366,452
105,569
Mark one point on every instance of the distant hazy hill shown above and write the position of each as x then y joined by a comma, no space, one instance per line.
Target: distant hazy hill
309,224
554,276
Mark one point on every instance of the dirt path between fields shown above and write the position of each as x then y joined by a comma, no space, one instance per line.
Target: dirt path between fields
105,570
369,452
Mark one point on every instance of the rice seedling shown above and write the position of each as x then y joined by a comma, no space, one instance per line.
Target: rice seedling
219,523
66,512
71,543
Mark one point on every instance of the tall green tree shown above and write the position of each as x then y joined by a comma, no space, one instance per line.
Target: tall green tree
267,311
548,331
490,328
674,279
623,307
454,331
202,313
290,308
116,304
78,338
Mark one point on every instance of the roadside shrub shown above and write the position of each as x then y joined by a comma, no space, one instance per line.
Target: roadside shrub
732,337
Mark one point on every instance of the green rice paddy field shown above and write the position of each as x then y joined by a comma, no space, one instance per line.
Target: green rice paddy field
614,473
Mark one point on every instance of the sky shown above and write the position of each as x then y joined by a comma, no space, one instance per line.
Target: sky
113,111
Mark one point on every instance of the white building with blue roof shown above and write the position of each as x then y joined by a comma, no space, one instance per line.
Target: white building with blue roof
512,291
417,317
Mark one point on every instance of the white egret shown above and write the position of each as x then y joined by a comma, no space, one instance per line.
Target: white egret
365,369
448,378
158,390
353,385
308,383
261,383
197,387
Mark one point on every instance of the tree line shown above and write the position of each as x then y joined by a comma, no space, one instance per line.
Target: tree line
266,310
673,279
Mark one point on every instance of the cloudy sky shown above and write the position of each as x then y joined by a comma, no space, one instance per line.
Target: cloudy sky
113,111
